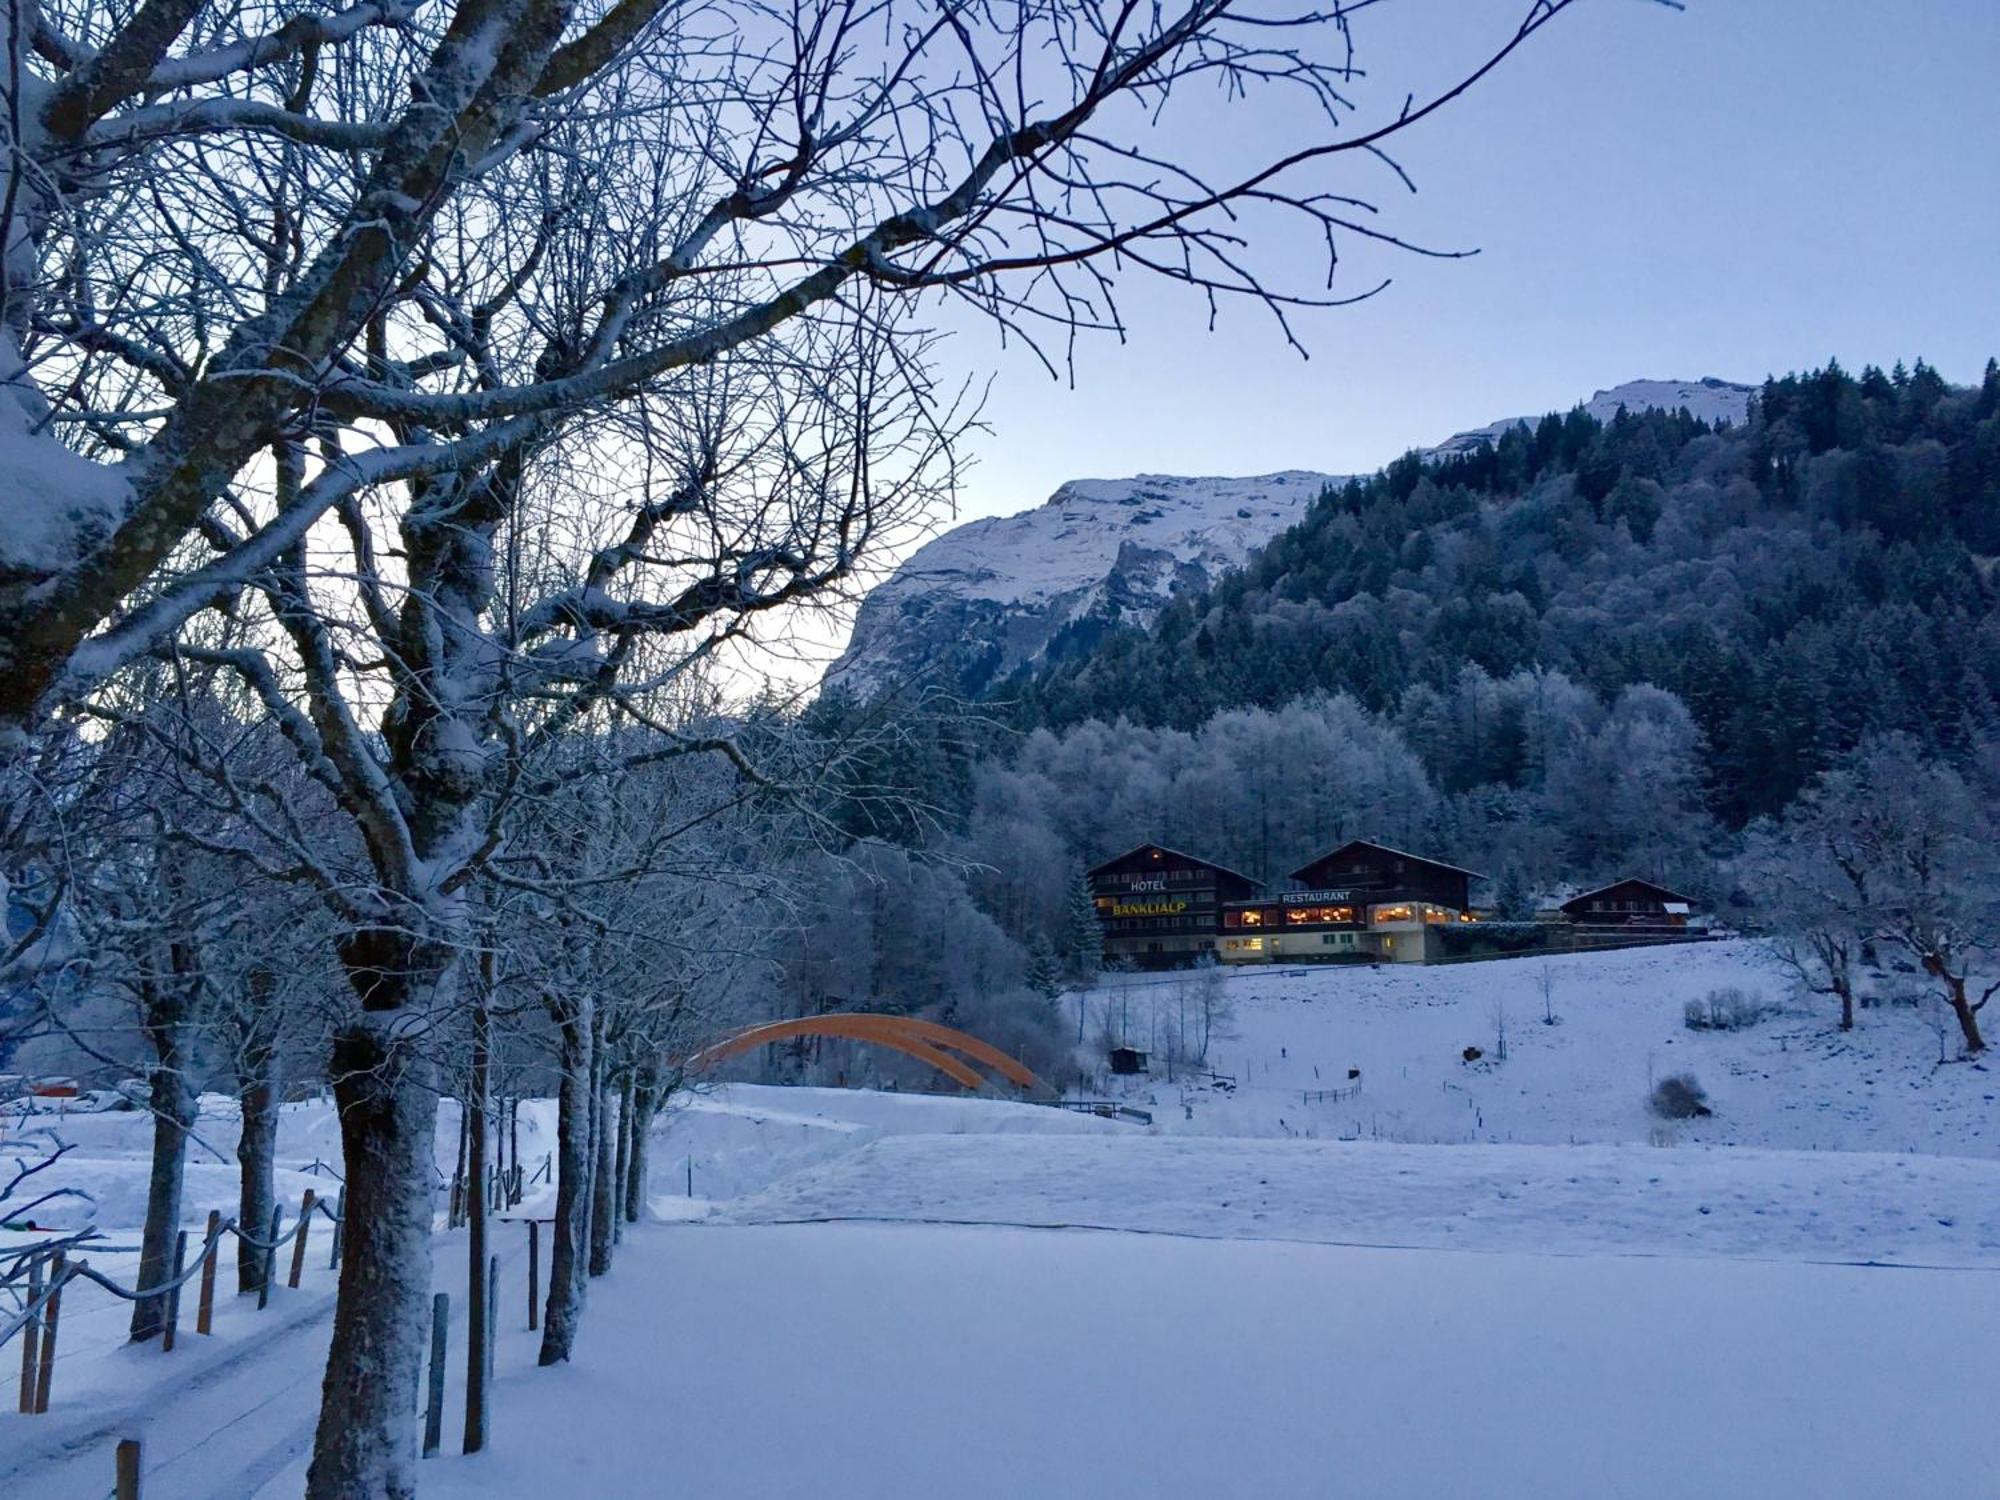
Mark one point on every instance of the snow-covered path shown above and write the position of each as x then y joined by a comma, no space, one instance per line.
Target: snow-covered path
891,1361
231,1418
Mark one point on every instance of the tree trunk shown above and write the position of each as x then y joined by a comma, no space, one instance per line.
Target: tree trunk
622,1166
461,1184
477,1334
386,1093
173,1103
1968,1020
645,1108
574,1159
514,1143
256,1159
1845,990
255,1020
603,1206
1961,1007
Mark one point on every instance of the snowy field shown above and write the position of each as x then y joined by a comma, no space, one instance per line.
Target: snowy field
1424,1290
900,1362
1792,1081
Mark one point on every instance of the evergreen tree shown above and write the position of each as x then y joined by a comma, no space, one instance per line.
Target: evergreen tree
1083,936
1044,976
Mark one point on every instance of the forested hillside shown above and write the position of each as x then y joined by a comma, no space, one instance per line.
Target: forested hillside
1589,650
1820,573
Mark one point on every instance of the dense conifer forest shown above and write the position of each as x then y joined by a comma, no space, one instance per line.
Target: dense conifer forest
1824,572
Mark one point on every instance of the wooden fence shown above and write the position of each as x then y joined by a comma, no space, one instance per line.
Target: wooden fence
39,1274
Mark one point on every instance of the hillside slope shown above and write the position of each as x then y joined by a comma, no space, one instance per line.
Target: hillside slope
988,598
1793,1081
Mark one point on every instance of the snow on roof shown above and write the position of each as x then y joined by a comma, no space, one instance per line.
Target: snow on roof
1177,854
1422,859
1651,885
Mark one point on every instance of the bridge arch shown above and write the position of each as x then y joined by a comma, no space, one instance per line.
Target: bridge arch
944,1048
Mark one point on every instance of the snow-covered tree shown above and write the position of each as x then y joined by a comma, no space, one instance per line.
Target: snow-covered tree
1083,935
499,359
1887,846
1811,894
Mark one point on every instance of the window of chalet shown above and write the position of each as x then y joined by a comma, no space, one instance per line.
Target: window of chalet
1304,916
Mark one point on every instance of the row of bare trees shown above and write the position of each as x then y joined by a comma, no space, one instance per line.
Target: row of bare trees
404,407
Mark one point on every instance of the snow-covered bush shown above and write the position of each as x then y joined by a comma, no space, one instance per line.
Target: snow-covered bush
1680,1098
1727,1009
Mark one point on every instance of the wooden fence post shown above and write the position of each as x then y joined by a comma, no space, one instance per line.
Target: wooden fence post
339,1224
173,1328
31,1340
534,1271
128,1469
271,1256
204,1315
434,1407
50,1313
299,1243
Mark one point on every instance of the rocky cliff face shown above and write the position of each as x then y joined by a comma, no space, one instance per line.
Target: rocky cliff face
982,601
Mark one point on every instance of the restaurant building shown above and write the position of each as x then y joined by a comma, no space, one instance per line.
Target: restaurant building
1160,908
1362,901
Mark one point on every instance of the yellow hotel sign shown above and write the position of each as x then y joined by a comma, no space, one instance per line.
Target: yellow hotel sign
1148,908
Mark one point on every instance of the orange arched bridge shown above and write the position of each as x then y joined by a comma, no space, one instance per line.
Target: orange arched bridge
952,1052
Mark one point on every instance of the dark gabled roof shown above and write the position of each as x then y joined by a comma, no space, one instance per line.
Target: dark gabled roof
1436,864
1195,859
1652,885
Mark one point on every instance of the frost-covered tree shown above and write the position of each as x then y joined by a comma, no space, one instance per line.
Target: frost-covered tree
1811,895
1888,846
1044,970
501,358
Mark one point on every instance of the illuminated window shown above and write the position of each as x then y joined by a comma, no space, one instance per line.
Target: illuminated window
1394,914
1302,916
1253,919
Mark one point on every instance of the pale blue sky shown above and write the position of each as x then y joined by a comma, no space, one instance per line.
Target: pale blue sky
1744,187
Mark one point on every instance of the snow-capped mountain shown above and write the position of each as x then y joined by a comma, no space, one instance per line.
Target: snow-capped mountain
985,599
1711,400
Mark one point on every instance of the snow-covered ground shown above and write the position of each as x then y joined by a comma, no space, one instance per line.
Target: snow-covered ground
1565,1200
1502,1279
110,1150
1793,1080
903,1361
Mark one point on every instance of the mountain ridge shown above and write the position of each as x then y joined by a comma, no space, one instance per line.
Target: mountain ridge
988,598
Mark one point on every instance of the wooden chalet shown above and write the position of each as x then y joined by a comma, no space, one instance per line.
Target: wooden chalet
1630,903
1363,900
1160,908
